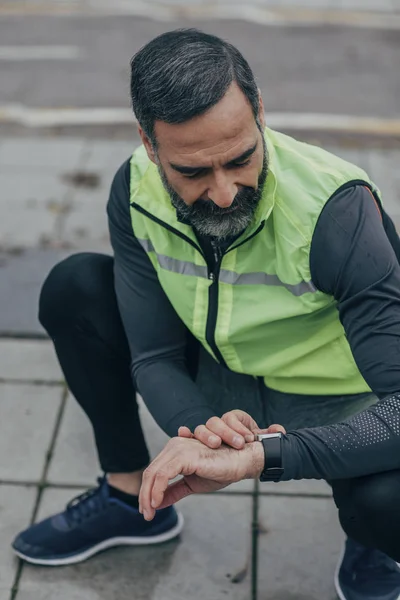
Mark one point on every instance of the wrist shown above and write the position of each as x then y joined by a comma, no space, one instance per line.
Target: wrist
255,460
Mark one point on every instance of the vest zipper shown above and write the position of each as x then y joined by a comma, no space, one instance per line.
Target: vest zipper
213,294
213,303
213,275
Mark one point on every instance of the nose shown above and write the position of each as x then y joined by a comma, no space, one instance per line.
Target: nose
222,191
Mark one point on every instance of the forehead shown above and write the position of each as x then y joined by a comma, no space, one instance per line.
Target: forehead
228,126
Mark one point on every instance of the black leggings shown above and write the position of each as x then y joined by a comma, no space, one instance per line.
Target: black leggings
78,309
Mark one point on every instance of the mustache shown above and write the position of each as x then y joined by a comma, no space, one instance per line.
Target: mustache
241,197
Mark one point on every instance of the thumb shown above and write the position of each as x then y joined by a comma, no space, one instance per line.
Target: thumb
175,492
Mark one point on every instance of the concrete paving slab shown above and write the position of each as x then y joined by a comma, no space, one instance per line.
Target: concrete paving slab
21,228
22,276
385,173
86,225
298,554
75,457
27,360
27,419
108,155
30,204
16,507
41,153
212,548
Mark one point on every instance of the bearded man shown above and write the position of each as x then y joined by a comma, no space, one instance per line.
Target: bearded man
255,280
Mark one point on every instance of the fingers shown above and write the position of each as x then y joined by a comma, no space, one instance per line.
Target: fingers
242,423
216,431
185,432
234,429
276,429
156,477
206,436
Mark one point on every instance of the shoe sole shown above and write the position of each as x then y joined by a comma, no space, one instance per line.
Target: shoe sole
110,543
336,576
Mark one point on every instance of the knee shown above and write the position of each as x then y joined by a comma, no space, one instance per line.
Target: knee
72,285
377,495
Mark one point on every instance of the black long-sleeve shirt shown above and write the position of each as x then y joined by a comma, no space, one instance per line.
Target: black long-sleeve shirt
354,257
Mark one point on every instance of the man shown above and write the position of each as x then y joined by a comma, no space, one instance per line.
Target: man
251,272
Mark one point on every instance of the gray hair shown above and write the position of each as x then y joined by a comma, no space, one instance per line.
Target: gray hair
183,73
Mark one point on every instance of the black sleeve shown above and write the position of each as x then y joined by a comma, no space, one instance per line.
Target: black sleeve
354,257
156,335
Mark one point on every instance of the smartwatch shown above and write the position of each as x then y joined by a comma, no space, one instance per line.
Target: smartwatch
272,443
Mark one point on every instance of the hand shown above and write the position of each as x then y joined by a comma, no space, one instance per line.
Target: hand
203,470
234,429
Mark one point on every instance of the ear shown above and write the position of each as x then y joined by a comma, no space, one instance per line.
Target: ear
261,113
148,145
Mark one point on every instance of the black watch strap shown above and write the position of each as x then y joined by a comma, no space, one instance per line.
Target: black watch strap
272,444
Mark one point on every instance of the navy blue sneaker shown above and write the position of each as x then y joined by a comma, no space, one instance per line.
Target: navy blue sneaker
366,574
93,522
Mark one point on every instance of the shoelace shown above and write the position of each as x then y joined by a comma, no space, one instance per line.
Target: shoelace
85,505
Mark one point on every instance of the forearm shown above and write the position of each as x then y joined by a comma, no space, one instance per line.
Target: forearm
364,444
171,396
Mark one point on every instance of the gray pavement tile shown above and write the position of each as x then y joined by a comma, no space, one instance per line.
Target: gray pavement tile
22,228
108,155
27,360
86,226
27,418
75,457
28,153
30,204
298,552
213,546
309,487
22,276
16,508
33,189
385,174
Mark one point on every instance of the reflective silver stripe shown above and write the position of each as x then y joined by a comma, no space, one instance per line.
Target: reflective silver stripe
187,268
183,267
297,289
146,245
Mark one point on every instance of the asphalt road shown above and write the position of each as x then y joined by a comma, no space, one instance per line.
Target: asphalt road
308,69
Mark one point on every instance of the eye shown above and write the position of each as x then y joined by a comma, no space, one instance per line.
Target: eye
194,175
242,164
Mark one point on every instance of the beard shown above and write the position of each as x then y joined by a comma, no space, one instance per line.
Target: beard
208,219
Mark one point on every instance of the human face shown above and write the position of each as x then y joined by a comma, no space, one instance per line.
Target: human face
214,166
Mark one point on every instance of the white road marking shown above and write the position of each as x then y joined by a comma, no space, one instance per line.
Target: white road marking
210,10
50,117
11,53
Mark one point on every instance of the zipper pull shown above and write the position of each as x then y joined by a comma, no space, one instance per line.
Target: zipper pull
216,251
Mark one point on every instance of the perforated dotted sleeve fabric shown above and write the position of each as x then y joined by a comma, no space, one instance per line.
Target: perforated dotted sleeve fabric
367,443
